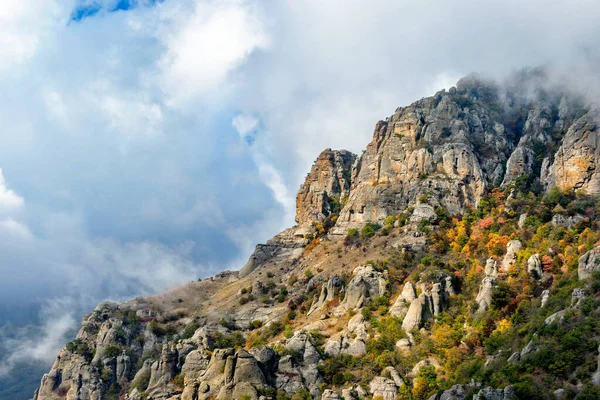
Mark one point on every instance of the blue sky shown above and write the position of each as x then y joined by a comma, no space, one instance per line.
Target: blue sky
149,143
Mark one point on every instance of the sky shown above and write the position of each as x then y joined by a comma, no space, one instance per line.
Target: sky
148,143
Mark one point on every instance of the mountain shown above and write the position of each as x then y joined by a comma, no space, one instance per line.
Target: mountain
455,258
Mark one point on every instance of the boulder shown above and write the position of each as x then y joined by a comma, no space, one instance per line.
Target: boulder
247,370
545,297
566,221
596,375
489,393
534,266
386,388
589,262
484,297
491,268
400,306
423,211
512,248
456,392
196,362
327,293
429,303
367,283
329,394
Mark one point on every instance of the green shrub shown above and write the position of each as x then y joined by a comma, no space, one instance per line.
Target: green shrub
369,229
112,351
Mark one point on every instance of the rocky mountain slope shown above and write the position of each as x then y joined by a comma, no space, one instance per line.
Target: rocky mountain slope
455,258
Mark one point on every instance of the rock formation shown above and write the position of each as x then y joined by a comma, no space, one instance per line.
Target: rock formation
534,266
367,283
512,248
589,262
430,303
489,282
325,187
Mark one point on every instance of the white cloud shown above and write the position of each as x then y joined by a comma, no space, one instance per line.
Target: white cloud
130,113
204,48
10,202
23,23
38,343
245,124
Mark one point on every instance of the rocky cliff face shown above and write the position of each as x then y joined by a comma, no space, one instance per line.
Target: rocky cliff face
305,299
326,185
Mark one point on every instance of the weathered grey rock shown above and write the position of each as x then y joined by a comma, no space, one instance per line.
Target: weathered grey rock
596,375
327,293
545,297
484,297
589,262
576,297
534,266
329,394
423,211
418,312
556,317
521,222
163,370
488,393
429,303
576,160
367,283
566,221
403,345
400,306
383,387
530,348
430,362
394,375
491,268
196,362
327,183
247,370
123,367
560,394
349,394
512,248
283,247
243,390
456,392
288,377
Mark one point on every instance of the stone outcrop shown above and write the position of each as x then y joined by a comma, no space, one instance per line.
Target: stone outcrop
351,340
384,387
566,221
589,262
327,293
488,284
512,248
287,245
596,375
430,303
534,266
325,186
366,283
508,393
545,297
400,306
575,164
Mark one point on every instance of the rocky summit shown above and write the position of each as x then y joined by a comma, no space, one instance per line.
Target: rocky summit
455,258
